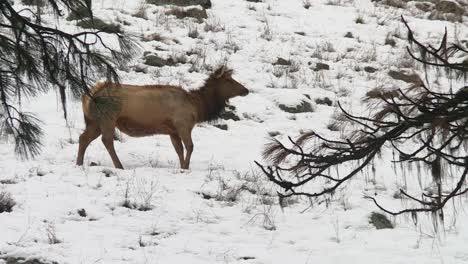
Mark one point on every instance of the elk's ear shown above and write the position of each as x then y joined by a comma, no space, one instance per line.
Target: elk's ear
219,72
228,73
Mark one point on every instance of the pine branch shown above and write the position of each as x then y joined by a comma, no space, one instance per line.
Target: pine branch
35,56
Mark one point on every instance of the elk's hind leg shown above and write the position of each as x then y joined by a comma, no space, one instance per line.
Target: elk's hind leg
91,132
108,141
179,148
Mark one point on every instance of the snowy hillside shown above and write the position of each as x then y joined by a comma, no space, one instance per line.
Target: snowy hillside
297,61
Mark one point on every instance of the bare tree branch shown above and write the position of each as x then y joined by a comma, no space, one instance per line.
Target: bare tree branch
421,125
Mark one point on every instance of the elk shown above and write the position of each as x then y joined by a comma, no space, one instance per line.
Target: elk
147,110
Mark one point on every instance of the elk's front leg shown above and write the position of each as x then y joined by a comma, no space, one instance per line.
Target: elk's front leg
179,148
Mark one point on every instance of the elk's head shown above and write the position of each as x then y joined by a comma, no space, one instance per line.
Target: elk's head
226,85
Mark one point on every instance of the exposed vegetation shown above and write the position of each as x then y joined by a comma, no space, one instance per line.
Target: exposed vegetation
203,3
380,221
6,202
98,24
303,107
198,14
17,260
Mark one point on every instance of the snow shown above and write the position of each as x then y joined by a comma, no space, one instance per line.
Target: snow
223,210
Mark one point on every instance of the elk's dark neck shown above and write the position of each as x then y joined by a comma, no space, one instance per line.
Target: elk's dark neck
208,102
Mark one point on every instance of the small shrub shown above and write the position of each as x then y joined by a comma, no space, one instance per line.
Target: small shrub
321,66
436,15
397,195
80,13
8,181
196,13
156,61
369,56
193,32
448,10
357,68
324,101
222,127
278,71
33,2
334,2
282,62
141,12
230,44
267,34
294,67
274,133
178,57
6,202
82,212
370,69
52,234
154,37
405,77
99,24
267,217
203,3
343,92
306,4
381,21
229,195
139,196
317,54
389,40
406,61
334,126
225,192
450,7
424,6
29,260
198,59
338,120
380,221
349,35
214,25
394,3
359,20
303,107
327,46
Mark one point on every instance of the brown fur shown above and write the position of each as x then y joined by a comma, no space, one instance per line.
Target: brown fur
140,111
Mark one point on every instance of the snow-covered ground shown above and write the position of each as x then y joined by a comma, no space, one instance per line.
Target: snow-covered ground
223,210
